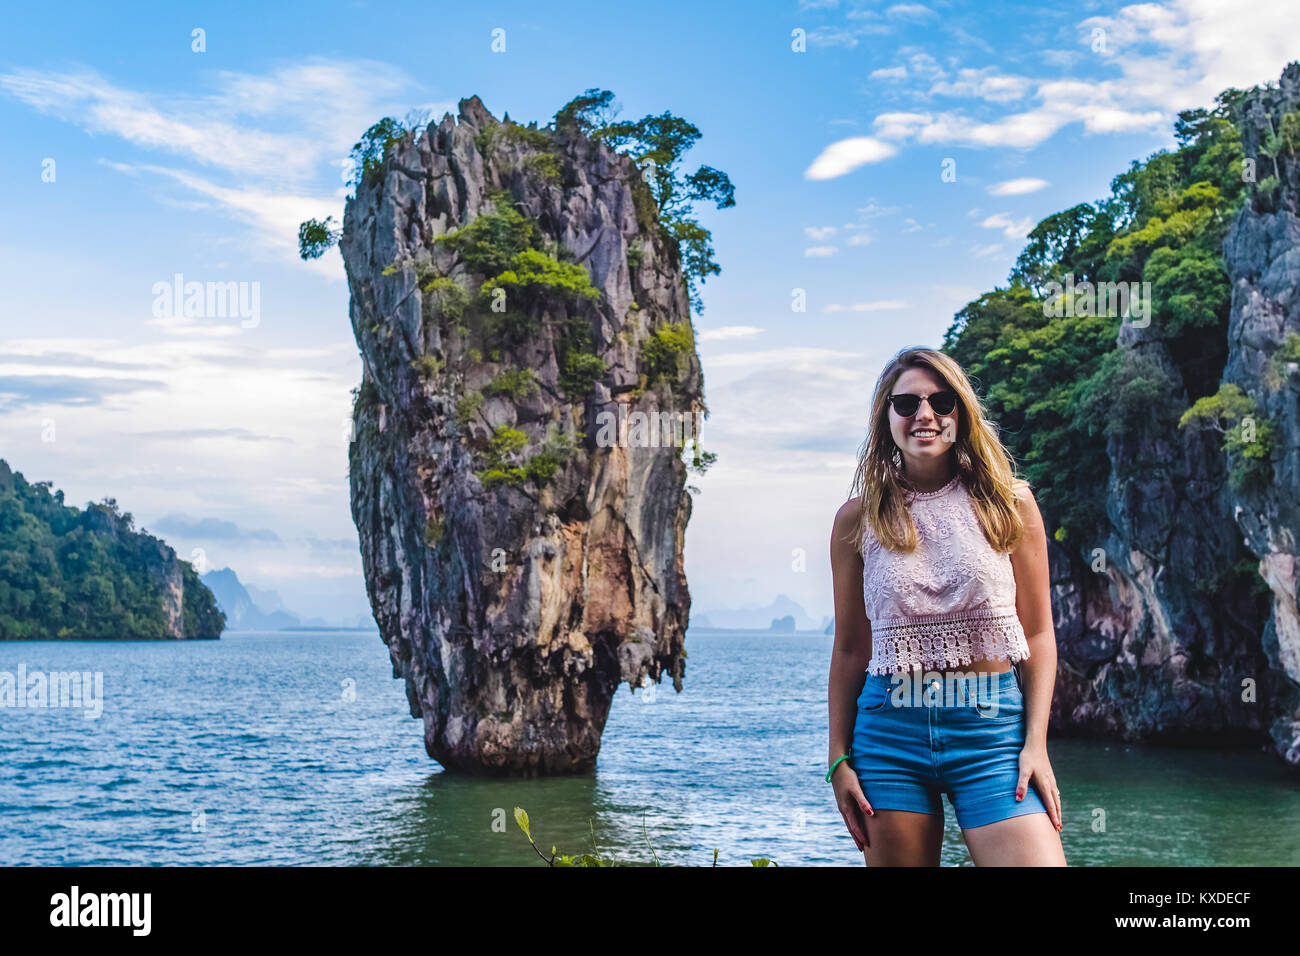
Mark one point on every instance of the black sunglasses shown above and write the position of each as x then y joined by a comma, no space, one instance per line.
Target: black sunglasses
941,403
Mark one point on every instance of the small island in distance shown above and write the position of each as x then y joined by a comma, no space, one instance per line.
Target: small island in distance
783,615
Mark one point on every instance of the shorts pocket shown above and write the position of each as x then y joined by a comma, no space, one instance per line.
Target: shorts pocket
873,697
1009,707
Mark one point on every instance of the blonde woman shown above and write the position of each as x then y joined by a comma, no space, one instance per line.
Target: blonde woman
941,586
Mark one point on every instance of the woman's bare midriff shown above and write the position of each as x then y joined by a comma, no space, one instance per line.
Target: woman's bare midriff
982,667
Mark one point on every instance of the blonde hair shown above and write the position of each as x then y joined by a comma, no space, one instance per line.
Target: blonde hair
982,462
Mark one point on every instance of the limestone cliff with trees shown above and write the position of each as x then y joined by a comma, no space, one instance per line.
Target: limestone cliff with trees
514,291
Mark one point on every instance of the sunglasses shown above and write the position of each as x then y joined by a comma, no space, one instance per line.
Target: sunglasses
941,403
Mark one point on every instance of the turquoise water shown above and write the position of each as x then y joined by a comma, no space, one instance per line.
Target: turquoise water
296,748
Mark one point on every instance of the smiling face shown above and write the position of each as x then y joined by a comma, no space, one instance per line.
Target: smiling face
925,436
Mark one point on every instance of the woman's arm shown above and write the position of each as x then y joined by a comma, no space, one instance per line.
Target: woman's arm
1034,607
852,650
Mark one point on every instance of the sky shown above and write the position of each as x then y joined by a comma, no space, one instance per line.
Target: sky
888,161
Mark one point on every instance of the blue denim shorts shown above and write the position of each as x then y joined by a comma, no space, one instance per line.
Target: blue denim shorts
919,734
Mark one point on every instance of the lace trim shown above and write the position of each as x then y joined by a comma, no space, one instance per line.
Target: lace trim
923,495
941,641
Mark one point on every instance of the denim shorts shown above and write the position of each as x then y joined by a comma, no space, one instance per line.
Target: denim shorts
919,734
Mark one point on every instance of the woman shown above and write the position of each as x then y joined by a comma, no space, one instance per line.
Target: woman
941,583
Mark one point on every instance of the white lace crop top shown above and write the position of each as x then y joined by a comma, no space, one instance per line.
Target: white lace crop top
950,602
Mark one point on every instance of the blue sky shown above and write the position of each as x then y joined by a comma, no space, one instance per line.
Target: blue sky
230,437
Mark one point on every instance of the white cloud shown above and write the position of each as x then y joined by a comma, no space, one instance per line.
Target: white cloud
884,305
846,155
311,111
872,210
281,569
1018,187
832,37
985,84
820,252
890,73
1157,59
923,64
264,143
228,392
819,233
910,11
274,215
729,332
832,363
180,325
1011,228
1182,54
900,125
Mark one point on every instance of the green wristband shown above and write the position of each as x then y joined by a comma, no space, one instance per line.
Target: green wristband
833,766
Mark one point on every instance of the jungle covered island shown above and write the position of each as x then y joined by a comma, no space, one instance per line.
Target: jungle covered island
1161,440
68,573
509,285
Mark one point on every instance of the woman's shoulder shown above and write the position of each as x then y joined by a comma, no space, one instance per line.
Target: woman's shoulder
847,518
1023,493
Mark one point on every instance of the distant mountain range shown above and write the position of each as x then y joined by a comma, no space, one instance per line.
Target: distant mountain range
250,608
783,615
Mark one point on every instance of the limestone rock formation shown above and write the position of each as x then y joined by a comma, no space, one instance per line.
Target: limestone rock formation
1154,646
522,555
1262,252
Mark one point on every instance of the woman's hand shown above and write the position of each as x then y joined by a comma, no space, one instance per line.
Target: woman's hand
1036,768
852,803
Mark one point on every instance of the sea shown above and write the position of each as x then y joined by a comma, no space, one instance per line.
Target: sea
296,748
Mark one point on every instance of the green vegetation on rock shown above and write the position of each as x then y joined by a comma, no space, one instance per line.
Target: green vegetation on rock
541,274
663,351
430,366
1247,440
662,197
513,383
369,152
72,573
316,237
467,407
1056,383
489,242
504,462
544,166
502,458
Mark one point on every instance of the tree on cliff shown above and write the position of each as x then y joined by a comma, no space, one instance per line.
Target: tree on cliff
657,144
1059,385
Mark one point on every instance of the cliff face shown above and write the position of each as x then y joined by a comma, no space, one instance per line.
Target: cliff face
1263,256
1156,644
521,560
